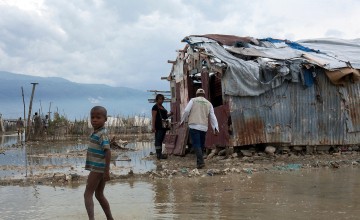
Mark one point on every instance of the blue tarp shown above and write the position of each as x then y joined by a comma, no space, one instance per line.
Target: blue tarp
291,44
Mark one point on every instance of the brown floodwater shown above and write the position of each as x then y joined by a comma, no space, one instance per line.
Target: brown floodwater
320,194
47,158
316,194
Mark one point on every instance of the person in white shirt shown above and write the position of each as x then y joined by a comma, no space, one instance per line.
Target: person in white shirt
197,114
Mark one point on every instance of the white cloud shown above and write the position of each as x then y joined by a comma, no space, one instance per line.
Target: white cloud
127,43
95,100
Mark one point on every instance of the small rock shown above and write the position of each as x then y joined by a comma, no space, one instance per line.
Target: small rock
59,175
270,150
155,174
355,148
261,154
230,150
247,170
211,155
222,152
246,153
195,172
309,150
335,164
234,155
212,172
226,170
235,170
284,149
74,176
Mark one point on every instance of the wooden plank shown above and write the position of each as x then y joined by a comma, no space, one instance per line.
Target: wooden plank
170,143
176,143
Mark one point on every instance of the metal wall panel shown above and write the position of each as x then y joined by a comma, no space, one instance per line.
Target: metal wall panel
295,115
222,139
351,96
318,118
261,119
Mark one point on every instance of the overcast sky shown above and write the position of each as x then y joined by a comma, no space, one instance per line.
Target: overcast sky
128,43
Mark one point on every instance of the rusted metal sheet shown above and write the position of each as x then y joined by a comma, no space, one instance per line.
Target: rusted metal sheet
227,39
292,114
222,138
262,119
329,112
176,140
170,143
246,51
317,114
351,96
248,126
218,89
205,83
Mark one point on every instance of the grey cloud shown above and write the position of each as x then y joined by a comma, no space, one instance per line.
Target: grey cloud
128,43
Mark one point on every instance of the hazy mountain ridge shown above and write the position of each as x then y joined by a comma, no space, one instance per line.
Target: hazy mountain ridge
70,98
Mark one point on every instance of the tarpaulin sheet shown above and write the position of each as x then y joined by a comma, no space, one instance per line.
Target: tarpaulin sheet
336,52
241,78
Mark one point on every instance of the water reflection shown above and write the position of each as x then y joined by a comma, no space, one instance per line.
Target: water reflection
67,158
9,140
316,194
140,150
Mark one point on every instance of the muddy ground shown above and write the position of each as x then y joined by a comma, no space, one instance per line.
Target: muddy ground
236,162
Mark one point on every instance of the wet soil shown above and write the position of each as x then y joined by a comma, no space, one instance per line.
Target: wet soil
62,163
320,194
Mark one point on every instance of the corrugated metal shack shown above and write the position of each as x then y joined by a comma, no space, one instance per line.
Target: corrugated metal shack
269,90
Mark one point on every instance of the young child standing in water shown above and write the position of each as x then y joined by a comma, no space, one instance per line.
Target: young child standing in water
98,163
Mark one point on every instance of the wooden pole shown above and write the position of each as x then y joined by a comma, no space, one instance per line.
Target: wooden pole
23,98
26,163
24,118
29,115
49,111
40,110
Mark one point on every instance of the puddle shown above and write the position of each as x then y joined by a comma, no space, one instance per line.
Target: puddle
317,194
287,192
26,160
9,140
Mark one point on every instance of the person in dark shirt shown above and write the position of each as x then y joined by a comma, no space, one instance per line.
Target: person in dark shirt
158,114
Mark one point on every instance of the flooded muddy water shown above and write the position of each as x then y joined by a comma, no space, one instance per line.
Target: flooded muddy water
42,158
317,194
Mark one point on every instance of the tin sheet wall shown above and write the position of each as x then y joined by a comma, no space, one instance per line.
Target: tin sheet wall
222,138
292,114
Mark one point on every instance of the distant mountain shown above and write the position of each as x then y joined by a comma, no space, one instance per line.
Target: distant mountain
68,98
